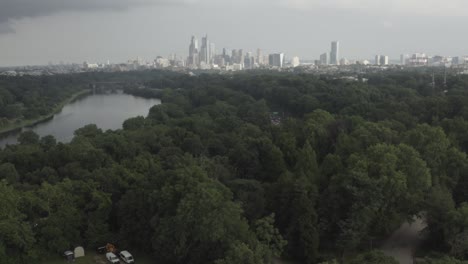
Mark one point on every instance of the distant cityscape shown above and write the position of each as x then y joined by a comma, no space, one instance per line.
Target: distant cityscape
204,56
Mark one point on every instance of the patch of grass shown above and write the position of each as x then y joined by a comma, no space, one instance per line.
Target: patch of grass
89,258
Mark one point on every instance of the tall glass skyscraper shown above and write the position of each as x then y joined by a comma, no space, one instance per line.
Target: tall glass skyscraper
193,52
335,53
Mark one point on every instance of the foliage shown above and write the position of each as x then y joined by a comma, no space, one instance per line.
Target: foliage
207,177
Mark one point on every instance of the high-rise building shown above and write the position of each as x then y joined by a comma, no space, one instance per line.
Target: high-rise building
324,59
249,61
235,56
227,57
212,52
205,56
383,60
260,57
335,53
241,57
193,59
377,59
276,60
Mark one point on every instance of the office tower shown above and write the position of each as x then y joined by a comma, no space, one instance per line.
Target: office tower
383,60
235,56
249,61
276,60
212,52
335,53
226,56
295,62
324,59
219,60
241,56
193,52
205,51
260,57
377,59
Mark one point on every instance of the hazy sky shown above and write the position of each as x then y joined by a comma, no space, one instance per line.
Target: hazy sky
39,31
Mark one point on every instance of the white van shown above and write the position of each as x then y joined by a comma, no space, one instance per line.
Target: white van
112,258
126,257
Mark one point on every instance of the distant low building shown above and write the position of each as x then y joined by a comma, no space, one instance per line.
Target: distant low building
418,59
324,59
88,66
295,62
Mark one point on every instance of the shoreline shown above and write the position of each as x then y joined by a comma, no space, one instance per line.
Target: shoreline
33,122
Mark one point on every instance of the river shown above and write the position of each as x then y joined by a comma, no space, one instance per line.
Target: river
107,111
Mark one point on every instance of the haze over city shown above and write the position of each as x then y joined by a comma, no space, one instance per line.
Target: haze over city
42,31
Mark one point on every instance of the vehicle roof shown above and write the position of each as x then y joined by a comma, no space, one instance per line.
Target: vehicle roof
125,253
110,254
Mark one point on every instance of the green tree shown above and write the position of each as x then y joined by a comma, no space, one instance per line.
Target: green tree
8,172
16,234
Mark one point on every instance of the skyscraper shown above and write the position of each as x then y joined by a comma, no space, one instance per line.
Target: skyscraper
235,56
205,56
241,56
212,52
259,56
193,59
335,53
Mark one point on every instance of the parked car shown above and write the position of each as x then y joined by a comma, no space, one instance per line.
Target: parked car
101,250
112,258
126,257
69,255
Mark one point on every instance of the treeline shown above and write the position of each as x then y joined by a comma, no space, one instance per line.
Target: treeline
29,97
207,177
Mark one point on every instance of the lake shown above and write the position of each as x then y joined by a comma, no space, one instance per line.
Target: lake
107,111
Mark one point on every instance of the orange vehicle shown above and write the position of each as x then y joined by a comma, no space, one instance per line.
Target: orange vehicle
111,248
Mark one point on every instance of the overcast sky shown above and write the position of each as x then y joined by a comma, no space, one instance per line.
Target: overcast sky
41,31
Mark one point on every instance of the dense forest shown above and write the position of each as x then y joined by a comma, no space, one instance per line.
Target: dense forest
244,168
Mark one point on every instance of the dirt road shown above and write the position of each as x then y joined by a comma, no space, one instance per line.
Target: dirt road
402,243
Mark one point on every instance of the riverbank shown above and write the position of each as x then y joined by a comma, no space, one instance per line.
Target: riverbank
31,122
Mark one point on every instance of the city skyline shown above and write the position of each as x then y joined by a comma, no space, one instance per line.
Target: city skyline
205,56
121,29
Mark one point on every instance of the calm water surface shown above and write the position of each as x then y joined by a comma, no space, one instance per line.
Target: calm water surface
107,111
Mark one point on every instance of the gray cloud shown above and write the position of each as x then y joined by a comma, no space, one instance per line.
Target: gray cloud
6,28
17,9
394,7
